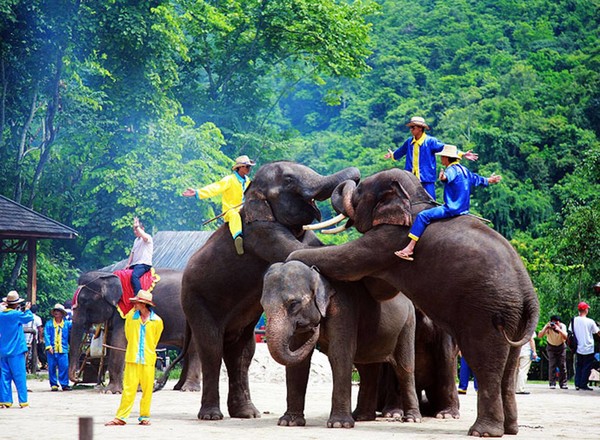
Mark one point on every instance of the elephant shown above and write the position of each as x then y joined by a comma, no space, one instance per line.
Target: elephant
221,290
466,277
304,309
96,303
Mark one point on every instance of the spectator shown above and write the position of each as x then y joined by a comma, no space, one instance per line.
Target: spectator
528,353
556,335
584,329
140,258
143,328
420,150
13,349
32,337
464,375
232,188
56,336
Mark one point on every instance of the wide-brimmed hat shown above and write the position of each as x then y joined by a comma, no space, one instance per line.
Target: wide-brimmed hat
242,161
419,121
449,151
143,297
60,308
582,306
12,298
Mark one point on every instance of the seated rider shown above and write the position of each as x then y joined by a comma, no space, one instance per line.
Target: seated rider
457,196
140,258
232,188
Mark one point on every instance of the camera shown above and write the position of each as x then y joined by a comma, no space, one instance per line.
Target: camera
553,324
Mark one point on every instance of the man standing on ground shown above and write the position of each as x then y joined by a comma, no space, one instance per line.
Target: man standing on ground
584,329
56,336
556,335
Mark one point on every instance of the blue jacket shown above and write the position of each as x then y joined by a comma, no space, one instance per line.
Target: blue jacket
457,187
50,331
427,160
12,337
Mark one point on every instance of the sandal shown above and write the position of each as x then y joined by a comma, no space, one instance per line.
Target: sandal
145,422
115,422
404,255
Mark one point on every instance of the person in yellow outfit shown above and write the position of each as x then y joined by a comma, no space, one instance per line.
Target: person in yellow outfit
232,189
143,328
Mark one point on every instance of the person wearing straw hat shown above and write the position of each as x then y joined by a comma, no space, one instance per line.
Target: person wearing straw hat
232,188
420,150
458,181
56,337
13,349
143,328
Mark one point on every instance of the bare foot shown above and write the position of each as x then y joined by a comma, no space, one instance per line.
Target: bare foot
404,255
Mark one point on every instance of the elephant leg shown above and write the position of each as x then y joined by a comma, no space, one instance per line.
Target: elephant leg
116,358
190,375
490,375
209,342
509,401
405,371
366,405
238,356
443,395
341,367
296,379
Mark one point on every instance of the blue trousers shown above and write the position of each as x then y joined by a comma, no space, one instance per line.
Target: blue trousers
583,368
60,362
425,217
12,369
465,374
430,188
138,271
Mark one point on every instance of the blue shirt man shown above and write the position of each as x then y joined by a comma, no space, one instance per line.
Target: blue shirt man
420,151
457,196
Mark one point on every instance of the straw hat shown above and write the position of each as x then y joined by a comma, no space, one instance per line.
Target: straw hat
60,308
12,298
419,121
449,151
143,297
242,161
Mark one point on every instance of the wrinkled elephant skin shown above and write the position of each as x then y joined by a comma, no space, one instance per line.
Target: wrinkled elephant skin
466,277
353,328
96,304
221,290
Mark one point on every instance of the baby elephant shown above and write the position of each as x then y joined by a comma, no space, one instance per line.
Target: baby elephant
303,309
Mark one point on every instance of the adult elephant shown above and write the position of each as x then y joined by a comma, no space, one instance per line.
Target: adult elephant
221,290
97,303
351,327
466,277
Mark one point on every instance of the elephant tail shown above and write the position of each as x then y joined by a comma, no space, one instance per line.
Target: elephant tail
528,319
162,380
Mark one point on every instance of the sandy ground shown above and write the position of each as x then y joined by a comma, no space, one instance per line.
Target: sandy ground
543,414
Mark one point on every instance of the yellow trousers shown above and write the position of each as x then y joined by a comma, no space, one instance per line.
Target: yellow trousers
134,375
235,222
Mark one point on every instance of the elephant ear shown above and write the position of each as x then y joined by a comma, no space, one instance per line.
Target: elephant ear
257,208
323,291
112,290
393,207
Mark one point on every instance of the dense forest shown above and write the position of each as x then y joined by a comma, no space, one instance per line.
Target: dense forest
110,108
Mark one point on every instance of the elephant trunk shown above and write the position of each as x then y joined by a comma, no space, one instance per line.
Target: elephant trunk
329,183
77,332
280,336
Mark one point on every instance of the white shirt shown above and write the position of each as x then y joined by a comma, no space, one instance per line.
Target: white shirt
584,329
142,251
37,322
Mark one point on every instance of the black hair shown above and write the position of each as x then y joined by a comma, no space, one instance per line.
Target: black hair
451,160
34,308
555,318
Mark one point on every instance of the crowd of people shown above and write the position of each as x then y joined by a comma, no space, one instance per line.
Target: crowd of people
22,330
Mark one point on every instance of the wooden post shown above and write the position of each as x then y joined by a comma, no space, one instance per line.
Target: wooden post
86,428
32,270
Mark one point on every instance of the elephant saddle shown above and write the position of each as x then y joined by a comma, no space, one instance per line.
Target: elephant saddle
148,281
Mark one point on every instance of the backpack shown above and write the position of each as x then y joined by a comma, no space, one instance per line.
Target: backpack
571,338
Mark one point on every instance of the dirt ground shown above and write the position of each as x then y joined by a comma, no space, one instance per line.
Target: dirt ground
543,414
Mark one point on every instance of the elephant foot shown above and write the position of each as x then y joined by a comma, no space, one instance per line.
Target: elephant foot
245,411
213,413
412,416
511,428
289,419
111,389
364,416
340,421
481,429
191,387
392,413
448,413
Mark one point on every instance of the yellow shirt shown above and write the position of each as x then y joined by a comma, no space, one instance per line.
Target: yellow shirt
231,188
142,338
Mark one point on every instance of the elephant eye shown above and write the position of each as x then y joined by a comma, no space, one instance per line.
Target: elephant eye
294,307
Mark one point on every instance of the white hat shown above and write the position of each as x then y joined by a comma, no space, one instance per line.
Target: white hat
12,298
143,297
243,161
449,151
60,308
419,121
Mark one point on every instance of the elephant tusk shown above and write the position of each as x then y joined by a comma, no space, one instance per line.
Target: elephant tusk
334,230
326,223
